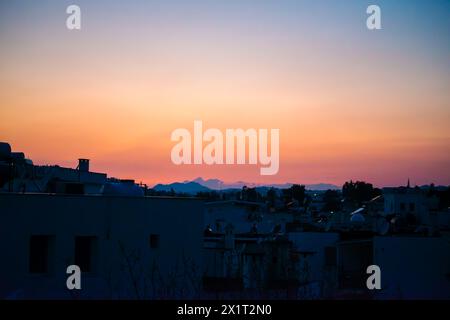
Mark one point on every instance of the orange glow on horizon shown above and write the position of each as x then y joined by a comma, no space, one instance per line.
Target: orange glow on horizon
348,107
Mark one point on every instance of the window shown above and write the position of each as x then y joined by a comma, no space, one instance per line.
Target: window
84,252
74,188
412,207
402,206
154,241
40,253
330,256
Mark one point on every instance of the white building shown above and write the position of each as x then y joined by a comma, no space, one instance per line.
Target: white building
405,201
317,259
412,267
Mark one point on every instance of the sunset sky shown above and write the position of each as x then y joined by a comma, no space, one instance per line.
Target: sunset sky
350,103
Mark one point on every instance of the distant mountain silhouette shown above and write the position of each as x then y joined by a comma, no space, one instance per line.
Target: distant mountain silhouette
199,184
322,187
182,187
217,184
214,184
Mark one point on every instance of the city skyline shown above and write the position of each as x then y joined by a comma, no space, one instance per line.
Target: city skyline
351,104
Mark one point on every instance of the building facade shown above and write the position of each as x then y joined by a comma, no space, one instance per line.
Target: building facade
126,247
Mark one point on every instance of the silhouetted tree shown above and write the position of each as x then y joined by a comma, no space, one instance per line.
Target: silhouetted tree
209,195
442,194
271,197
332,200
298,193
249,194
359,191
295,192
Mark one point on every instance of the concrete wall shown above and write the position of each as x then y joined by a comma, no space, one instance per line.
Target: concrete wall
393,205
413,267
122,226
314,242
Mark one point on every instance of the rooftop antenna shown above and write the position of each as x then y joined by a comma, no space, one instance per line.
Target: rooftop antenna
408,185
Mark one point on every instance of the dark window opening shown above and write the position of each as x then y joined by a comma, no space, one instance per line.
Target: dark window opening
354,258
74,188
402,206
84,252
412,206
154,241
39,253
330,256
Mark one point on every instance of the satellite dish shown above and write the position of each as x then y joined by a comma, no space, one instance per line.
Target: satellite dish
383,226
357,218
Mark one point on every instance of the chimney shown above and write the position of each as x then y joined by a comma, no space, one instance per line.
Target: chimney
83,165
